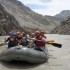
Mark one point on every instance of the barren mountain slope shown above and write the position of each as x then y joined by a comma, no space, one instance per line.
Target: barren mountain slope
63,14
64,27
27,18
7,22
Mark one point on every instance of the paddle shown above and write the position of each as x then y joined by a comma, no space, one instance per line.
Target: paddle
3,44
56,45
50,41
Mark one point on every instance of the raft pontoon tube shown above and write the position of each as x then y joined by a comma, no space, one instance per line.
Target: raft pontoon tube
24,54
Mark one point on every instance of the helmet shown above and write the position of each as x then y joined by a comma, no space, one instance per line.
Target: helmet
18,32
37,32
33,34
28,36
23,32
13,33
41,31
10,33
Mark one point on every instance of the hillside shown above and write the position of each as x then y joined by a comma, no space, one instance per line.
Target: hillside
63,14
64,27
53,20
28,19
7,22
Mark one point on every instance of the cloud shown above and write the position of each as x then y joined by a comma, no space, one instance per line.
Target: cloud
47,7
45,1
37,2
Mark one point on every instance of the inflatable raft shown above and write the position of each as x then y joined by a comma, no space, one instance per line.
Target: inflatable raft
24,54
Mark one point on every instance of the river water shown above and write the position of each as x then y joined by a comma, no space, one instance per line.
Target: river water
59,58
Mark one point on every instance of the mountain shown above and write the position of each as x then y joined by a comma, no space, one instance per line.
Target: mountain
63,14
64,27
53,20
28,19
7,22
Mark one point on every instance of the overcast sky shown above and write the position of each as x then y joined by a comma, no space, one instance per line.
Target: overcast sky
47,7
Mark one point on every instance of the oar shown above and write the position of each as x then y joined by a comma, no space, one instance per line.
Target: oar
50,41
3,44
56,45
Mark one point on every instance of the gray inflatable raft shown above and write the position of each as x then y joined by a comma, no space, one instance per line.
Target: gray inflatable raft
24,54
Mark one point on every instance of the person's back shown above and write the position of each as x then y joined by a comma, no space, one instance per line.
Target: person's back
24,41
12,41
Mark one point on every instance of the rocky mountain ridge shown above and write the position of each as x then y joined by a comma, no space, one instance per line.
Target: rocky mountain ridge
28,19
7,22
23,18
63,14
64,27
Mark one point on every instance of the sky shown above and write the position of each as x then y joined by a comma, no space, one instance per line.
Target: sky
47,7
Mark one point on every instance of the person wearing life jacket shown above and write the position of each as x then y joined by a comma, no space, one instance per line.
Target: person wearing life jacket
31,39
24,40
42,34
39,41
32,35
19,37
12,40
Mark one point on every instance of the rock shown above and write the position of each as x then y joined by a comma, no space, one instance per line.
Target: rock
7,22
64,27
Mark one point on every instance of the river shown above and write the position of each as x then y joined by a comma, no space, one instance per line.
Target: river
59,58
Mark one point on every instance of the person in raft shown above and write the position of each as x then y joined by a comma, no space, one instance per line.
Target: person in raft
12,40
40,40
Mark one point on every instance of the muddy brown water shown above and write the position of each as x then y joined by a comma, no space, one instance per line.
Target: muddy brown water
59,58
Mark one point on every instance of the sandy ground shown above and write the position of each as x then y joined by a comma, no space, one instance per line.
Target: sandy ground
59,58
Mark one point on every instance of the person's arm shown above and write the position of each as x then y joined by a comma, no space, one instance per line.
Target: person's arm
44,40
7,39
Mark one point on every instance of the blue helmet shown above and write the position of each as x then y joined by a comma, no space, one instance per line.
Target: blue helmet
12,33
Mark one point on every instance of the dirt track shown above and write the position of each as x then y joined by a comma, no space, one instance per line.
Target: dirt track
59,58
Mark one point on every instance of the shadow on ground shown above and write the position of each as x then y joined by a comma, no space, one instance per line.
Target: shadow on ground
19,65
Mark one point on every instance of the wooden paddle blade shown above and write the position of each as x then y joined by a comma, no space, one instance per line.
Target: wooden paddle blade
50,41
56,45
